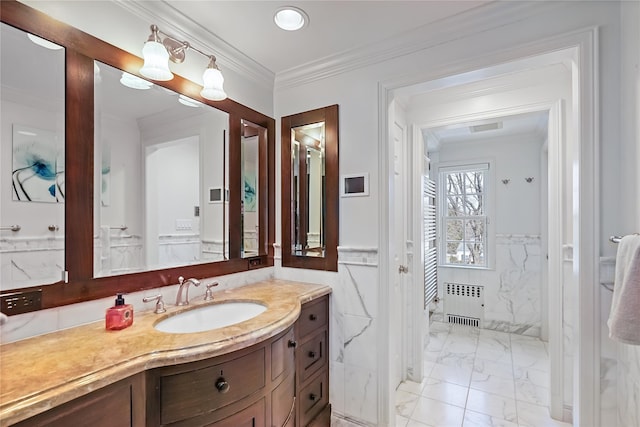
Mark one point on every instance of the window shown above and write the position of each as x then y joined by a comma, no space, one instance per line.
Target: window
464,216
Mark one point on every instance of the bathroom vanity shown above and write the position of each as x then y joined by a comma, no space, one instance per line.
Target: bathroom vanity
271,370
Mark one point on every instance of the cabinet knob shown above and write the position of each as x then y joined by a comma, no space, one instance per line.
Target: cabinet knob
313,317
293,343
312,354
222,385
313,397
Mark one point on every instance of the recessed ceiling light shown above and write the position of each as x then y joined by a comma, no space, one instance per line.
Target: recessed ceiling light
290,18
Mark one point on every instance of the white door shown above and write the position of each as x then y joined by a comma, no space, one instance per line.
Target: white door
399,255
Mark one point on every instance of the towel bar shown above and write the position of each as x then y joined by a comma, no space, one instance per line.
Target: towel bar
616,239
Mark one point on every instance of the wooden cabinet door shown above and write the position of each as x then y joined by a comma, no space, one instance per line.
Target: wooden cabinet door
120,404
253,416
283,403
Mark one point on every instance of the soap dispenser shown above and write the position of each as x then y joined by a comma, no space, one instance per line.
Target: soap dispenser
119,316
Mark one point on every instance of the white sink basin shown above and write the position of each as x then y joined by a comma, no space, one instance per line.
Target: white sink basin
210,317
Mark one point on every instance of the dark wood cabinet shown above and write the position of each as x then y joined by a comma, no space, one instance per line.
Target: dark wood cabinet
119,404
280,382
254,386
312,364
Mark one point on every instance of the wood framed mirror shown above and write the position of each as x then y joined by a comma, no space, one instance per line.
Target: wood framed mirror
79,275
310,190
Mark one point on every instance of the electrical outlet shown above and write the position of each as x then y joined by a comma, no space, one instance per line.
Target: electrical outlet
21,302
255,262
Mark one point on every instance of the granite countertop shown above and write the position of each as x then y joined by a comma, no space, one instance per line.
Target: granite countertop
39,373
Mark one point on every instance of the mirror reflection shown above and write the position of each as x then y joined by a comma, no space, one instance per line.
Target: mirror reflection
32,167
308,182
160,177
251,135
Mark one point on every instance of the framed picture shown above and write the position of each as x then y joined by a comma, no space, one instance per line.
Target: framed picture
38,165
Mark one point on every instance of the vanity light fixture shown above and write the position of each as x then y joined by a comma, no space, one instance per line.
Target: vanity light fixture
157,52
291,18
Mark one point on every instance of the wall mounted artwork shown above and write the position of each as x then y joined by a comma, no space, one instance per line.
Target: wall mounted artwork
38,165
249,192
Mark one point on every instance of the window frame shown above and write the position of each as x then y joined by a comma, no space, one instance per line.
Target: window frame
484,166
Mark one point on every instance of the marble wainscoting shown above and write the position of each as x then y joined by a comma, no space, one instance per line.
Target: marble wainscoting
354,333
608,349
512,291
117,252
628,394
31,260
213,250
178,249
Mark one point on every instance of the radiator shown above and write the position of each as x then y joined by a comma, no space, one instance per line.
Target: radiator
464,304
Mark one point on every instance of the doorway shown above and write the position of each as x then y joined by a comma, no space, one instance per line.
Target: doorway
579,57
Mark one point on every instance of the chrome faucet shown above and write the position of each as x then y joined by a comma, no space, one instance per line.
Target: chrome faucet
184,284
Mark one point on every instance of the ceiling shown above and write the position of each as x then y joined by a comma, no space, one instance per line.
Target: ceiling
334,27
517,124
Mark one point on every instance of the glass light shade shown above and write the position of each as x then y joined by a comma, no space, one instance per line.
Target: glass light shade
134,82
44,43
156,62
188,101
213,82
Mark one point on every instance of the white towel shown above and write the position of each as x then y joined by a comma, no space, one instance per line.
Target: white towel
624,318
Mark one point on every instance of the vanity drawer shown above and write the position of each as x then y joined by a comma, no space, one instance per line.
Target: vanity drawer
192,393
312,356
282,354
313,315
314,397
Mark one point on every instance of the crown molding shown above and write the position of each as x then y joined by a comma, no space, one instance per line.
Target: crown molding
462,25
177,24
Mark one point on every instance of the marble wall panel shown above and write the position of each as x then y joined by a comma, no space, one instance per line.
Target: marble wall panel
29,261
512,290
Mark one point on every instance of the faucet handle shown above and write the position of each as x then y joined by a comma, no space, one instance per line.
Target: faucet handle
208,296
159,303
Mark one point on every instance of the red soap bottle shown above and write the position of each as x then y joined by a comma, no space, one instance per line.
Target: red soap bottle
119,316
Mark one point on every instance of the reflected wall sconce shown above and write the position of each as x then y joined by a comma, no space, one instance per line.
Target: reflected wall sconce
506,181
158,51
529,179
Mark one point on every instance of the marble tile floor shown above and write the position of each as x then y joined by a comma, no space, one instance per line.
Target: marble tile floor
478,378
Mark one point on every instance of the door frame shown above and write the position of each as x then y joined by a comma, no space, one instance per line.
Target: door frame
586,235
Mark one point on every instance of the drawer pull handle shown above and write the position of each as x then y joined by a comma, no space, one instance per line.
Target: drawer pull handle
293,343
313,397
222,385
313,317
312,354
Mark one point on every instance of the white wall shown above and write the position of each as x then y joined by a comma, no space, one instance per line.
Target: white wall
627,376
357,90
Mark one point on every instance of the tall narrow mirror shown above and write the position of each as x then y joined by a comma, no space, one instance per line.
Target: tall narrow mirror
160,177
32,160
310,189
